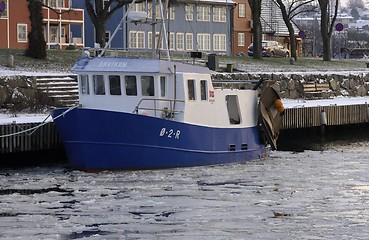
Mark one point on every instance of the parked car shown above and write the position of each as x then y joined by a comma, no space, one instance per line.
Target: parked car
270,48
265,52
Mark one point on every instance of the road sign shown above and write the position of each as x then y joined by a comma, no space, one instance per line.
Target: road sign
339,27
301,34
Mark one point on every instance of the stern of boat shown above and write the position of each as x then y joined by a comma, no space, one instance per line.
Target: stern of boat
271,113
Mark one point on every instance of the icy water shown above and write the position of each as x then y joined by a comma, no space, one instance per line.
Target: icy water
306,195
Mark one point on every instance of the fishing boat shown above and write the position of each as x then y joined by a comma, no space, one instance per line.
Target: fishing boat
138,113
148,113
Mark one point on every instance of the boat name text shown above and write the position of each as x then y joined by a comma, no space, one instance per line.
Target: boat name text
113,64
170,133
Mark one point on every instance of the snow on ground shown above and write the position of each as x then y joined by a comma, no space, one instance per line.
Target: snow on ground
22,118
7,72
337,101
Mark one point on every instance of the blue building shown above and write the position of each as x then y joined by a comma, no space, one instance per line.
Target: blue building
192,25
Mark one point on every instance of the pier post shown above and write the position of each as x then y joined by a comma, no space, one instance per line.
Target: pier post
323,123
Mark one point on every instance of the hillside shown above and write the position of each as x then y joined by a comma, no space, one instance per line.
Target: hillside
62,61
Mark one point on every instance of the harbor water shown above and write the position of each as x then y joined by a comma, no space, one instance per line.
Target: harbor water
292,195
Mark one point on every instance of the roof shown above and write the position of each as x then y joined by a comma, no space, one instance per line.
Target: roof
133,65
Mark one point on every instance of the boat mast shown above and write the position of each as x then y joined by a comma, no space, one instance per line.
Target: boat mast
153,31
162,32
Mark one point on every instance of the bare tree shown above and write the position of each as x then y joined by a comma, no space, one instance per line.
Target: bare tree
36,40
255,6
289,10
100,11
360,4
326,26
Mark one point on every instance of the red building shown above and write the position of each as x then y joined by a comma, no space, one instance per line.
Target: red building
59,21
242,27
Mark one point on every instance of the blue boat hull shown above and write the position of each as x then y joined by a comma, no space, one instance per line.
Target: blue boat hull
97,139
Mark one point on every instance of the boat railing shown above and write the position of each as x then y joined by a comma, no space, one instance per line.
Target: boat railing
166,112
234,84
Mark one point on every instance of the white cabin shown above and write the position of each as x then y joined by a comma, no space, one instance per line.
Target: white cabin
163,89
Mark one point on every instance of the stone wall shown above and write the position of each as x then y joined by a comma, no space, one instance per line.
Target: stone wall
290,85
20,92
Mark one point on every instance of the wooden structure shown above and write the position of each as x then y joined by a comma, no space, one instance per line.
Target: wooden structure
316,90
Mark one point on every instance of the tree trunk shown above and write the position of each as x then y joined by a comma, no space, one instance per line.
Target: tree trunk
257,29
36,40
100,32
324,29
289,26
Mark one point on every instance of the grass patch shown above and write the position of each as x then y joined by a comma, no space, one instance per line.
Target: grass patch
63,60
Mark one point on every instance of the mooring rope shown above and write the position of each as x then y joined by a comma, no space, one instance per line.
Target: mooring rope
35,128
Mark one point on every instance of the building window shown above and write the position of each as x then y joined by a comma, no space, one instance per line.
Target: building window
22,32
52,3
241,39
203,41
162,86
180,41
171,13
53,34
136,39
56,3
147,86
107,36
60,4
149,40
203,13
139,7
3,8
241,10
189,41
219,42
85,88
99,85
114,84
204,89
150,10
171,41
191,89
219,14
131,85
189,12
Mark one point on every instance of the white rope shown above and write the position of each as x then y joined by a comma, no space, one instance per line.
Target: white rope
33,129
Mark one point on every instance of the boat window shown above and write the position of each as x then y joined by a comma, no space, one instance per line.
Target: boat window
162,86
204,89
233,109
114,83
131,85
147,86
99,86
85,88
191,89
